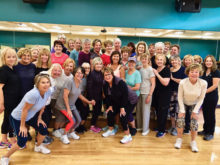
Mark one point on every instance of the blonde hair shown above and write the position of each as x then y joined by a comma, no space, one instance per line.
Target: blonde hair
69,60
96,60
39,62
53,66
145,47
198,57
38,78
192,67
85,64
188,56
161,55
4,52
23,51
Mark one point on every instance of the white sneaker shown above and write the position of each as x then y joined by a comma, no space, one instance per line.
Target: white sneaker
126,139
64,139
61,130
5,161
56,133
194,146
178,143
108,133
146,132
41,148
73,135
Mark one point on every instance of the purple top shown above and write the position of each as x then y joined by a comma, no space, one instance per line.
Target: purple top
83,57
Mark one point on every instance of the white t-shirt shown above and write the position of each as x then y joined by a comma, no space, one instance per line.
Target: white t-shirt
32,97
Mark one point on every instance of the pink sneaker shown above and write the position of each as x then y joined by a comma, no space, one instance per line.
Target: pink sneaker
95,129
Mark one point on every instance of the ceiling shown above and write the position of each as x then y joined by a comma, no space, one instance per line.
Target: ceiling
97,30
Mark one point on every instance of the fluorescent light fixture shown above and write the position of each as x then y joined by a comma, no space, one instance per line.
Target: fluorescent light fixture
57,31
147,31
208,34
24,28
88,29
179,32
56,27
88,33
118,30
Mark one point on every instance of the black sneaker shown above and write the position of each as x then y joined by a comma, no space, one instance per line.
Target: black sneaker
201,133
186,132
79,129
208,137
48,140
29,138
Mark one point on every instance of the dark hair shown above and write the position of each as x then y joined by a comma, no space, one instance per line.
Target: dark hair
95,41
79,68
131,44
214,66
114,53
57,42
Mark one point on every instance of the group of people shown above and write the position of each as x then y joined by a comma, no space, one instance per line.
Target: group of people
66,82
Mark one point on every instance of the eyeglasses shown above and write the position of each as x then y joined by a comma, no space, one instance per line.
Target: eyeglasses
109,74
79,72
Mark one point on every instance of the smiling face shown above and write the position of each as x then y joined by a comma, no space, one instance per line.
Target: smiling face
115,58
87,47
34,54
188,62
175,62
208,62
44,84
97,47
71,44
58,49
108,77
117,45
78,75
109,48
56,72
141,49
68,69
174,51
193,75
44,58
10,58
159,50
131,65
98,66
160,61
26,58
78,44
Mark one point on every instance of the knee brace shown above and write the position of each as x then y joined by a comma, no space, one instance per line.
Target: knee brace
180,122
194,125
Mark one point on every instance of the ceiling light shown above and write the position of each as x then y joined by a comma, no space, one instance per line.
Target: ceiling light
208,34
147,31
117,30
178,33
56,27
88,29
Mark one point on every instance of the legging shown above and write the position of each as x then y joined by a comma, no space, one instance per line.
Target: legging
74,121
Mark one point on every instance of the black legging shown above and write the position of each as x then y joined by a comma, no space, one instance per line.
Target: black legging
96,111
82,108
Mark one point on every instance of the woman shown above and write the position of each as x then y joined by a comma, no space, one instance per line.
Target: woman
125,54
191,93
34,54
211,76
74,54
162,93
70,46
140,49
58,56
131,46
117,44
146,91
116,64
119,100
84,55
108,44
66,104
177,74
133,80
25,113
198,59
43,62
94,91
82,107
68,67
97,45
9,93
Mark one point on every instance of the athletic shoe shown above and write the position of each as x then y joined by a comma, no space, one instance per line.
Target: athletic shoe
105,128
95,129
5,145
73,135
174,132
194,146
56,133
5,161
61,130
146,132
64,139
208,137
201,133
80,129
48,140
108,133
160,134
115,129
186,132
126,139
178,143
41,148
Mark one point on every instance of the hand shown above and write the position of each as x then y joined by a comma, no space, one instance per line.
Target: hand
23,131
93,102
122,112
155,71
69,113
181,115
109,109
40,121
148,99
194,116
2,108
129,87
125,67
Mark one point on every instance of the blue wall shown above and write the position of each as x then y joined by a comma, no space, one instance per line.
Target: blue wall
188,46
158,14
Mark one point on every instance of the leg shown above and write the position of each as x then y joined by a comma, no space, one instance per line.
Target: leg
146,113
95,113
77,118
139,110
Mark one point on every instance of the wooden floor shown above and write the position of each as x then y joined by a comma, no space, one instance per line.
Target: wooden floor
92,149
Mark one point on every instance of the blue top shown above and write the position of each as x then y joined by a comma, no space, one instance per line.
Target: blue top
134,78
75,55
32,97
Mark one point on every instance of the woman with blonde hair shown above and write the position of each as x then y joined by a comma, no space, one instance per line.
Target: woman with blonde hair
191,93
188,60
34,54
9,93
68,67
141,48
198,59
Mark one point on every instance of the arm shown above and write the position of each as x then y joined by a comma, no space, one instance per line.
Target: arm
136,87
40,121
85,100
214,85
149,96
2,107
122,73
175,79
66,101
23,129
164,81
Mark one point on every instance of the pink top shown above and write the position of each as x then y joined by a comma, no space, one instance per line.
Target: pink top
60,60
106,59
117,71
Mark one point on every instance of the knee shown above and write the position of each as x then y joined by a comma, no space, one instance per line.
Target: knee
21,141
194,125
180,122
42,130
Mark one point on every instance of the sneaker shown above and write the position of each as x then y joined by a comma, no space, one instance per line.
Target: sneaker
174,132
61,130
105,128
64,139
108,133
194,146
41,148
73,135
29,138
80,129
115,129
5,161
95,129
48,140
178,143
21,148
160,134
146,132
186,132
56,133
208,137
5,145
126,139
201,133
